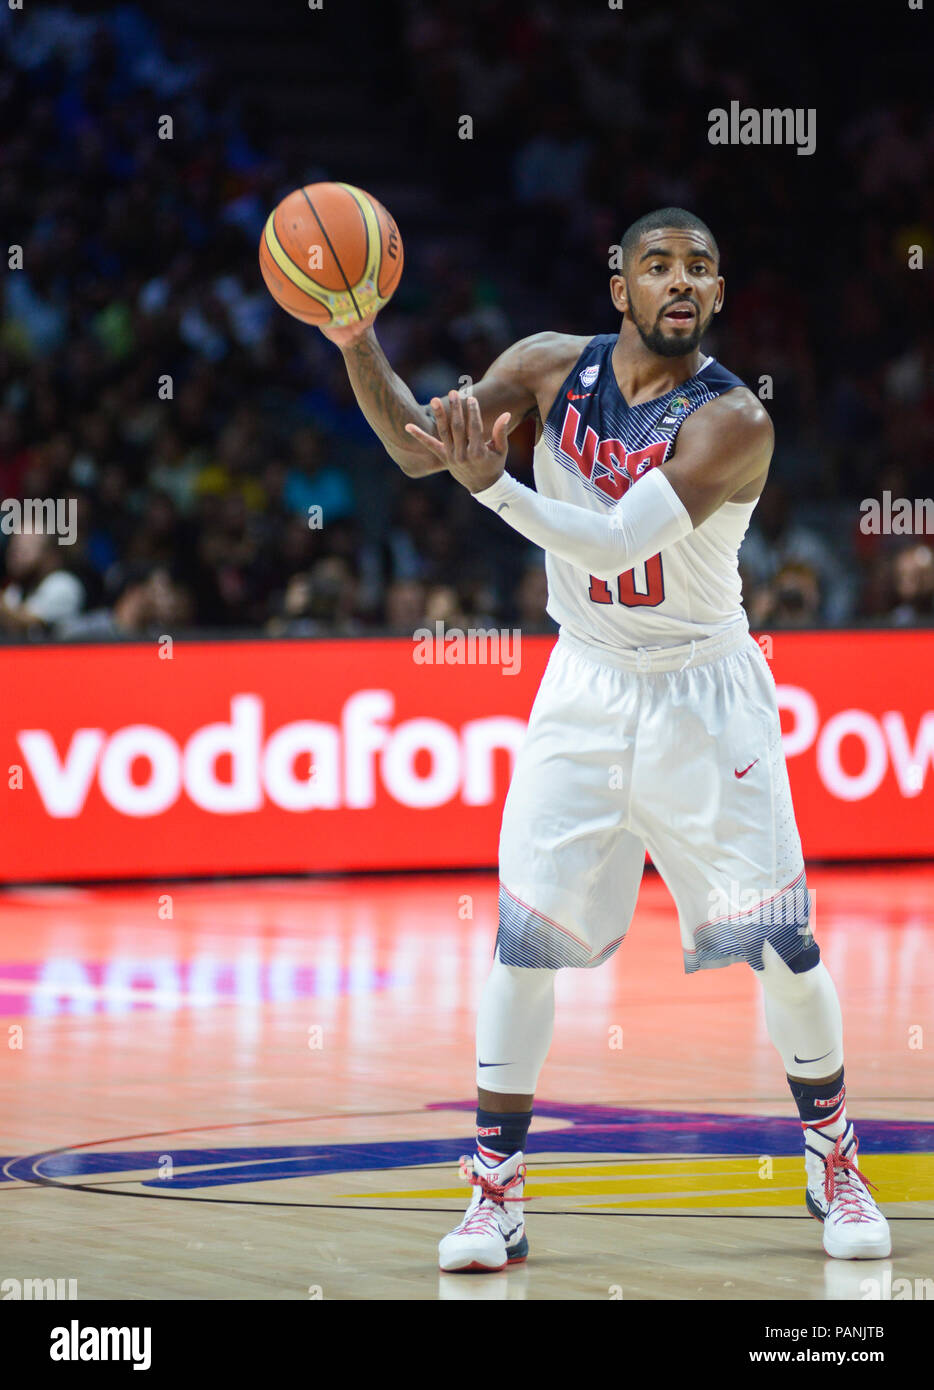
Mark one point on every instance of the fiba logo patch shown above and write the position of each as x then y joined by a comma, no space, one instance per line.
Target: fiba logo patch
588,376
673,416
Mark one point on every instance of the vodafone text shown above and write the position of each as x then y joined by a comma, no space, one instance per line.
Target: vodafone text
347,761
421,762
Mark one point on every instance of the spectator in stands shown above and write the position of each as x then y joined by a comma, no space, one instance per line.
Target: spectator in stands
531,597
443,604
791,599
913,583
40,590
319,603
777,537
550,167
311,482
405,607
139,270
146,603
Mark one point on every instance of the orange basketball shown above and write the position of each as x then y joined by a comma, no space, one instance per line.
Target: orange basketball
330,254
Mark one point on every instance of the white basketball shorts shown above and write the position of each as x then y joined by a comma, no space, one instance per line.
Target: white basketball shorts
676,750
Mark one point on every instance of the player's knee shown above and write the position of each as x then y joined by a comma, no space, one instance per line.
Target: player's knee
782,931
793,979
805,961
521,979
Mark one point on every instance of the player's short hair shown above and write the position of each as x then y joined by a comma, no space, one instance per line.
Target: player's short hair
678,218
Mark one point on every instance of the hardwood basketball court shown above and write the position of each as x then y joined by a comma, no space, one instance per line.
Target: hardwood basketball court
260,1090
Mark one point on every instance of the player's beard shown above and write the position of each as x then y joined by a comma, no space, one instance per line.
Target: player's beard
656,341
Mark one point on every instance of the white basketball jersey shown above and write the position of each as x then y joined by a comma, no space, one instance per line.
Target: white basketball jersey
595,446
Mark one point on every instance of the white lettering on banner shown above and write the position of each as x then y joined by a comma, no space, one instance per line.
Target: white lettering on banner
481,738
422,762
241,739
402,781
909,761
802,705
883,739
363,746
63,786
322,743
362,738
148,798
852,786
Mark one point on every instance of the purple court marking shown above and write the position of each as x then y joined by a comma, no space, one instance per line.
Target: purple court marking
592,1129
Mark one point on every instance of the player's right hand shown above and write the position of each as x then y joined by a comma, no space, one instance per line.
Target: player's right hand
349,333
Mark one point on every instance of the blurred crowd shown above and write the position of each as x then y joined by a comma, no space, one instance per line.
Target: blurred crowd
222,473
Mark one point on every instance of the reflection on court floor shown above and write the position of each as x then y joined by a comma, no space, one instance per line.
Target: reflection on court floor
279,1075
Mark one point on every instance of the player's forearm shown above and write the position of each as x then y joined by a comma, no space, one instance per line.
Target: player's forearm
649,517
388,404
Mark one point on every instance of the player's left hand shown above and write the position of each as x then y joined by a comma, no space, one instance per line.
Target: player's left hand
460,445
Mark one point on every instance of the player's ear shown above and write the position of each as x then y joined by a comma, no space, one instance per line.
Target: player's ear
721,292
619,294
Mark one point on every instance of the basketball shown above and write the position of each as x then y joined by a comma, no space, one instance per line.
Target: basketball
330,254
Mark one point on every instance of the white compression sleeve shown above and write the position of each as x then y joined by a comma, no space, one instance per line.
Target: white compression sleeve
514,1027
648,517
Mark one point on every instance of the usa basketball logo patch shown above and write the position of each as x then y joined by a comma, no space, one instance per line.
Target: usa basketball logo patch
588,376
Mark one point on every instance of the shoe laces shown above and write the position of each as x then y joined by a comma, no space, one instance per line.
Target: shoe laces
852,1197
495,1191
484,1218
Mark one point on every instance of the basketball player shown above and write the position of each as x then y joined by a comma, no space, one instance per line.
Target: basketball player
656,724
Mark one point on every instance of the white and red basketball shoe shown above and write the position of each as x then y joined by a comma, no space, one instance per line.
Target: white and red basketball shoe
492,1233
838,1195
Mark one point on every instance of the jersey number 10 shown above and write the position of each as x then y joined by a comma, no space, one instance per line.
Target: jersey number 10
653,583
